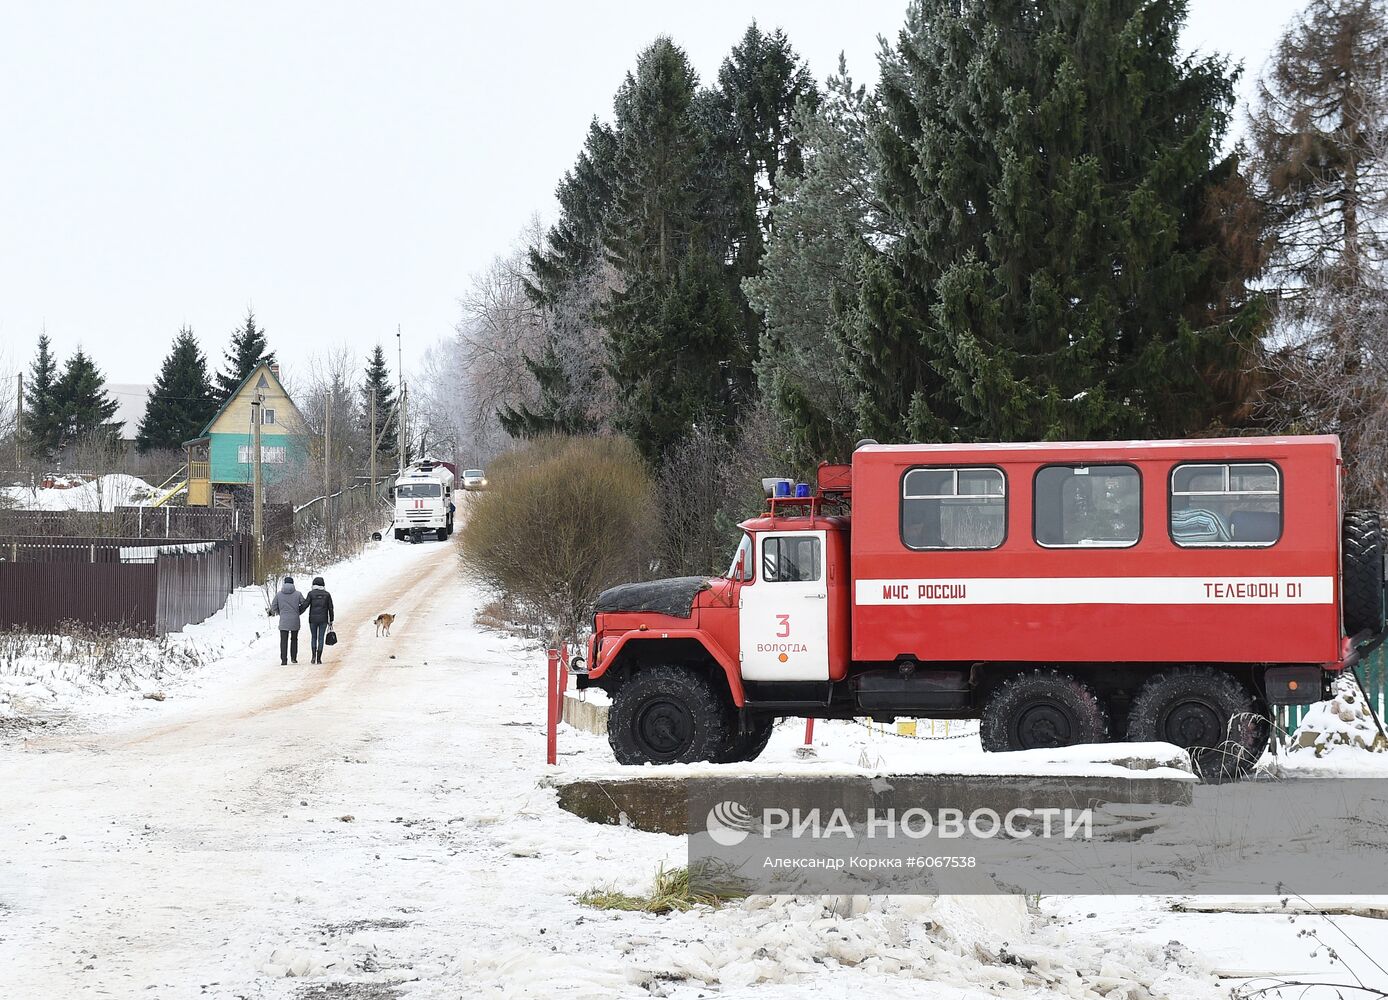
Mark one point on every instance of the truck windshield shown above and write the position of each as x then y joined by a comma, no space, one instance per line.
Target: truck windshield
419,490
473,473
744,552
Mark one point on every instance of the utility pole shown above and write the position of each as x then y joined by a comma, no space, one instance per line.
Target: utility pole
373,447
257,487
400,398
327,470
19,423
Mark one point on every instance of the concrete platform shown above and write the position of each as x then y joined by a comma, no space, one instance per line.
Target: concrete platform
656,799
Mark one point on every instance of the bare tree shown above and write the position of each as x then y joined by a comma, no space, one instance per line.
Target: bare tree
1321,169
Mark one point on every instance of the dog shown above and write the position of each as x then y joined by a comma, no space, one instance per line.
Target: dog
383,623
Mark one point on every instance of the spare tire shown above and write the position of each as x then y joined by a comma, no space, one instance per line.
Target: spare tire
1362,568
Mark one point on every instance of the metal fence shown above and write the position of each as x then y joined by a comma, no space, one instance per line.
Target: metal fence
111,582
1373,670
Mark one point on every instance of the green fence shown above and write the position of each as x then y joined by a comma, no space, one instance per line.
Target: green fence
1373,671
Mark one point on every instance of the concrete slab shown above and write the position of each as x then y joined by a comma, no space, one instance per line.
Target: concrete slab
657,801
585,713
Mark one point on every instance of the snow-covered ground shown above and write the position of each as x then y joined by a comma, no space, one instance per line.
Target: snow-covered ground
103,493
377,827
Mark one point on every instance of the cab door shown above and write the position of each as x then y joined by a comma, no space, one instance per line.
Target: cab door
783,616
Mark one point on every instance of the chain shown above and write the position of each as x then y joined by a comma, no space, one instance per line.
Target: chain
913,736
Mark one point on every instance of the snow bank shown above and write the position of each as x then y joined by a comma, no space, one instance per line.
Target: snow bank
103,493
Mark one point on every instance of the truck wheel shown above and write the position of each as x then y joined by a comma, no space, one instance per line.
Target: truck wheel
1363,572
667,715
399,535
442,534
1042,708
744,746
1205,711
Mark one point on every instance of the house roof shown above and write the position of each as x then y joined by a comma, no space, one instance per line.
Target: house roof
270,377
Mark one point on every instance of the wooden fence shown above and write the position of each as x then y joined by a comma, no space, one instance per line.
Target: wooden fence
112,583
145,522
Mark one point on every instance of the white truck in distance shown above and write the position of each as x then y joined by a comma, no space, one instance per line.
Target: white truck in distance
424,501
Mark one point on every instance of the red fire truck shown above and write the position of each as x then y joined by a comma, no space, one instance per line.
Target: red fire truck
1061,593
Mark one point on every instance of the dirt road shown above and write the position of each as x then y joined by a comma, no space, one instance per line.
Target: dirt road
271,827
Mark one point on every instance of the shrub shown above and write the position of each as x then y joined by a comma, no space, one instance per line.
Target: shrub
562,519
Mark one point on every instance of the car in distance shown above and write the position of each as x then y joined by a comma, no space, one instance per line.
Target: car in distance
474,479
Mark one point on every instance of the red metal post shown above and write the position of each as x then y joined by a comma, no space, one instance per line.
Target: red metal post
552,706
809,731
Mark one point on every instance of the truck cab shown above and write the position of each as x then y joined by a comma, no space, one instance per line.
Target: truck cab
424,501
1060,593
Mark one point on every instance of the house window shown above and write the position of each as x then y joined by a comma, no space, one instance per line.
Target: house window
1088,506
1226,504
953,508
267,415
270,454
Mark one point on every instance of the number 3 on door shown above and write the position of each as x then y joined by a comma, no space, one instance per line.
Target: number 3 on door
785,626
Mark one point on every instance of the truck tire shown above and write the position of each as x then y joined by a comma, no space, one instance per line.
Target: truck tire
667,715
745,746
399,535
1206,711
1042,709
1362,569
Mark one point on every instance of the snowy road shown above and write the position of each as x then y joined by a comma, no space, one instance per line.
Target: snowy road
374,828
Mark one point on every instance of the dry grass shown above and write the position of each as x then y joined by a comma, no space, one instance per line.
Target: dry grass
669,893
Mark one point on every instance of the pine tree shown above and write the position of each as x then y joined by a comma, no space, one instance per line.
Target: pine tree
248,348
377,383
41,423
1062,264
83,408
181,401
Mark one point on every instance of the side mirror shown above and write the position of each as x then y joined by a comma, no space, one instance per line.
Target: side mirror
740,572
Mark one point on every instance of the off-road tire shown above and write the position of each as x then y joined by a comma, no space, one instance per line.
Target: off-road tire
668,715
399,535
745,746
1042,708
441,534
1221,722
1362,569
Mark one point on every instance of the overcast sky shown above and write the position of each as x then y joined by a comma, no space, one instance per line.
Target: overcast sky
341,167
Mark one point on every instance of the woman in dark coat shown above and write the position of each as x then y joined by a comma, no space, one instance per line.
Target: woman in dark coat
320,616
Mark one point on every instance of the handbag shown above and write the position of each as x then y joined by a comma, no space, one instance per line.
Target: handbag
330,639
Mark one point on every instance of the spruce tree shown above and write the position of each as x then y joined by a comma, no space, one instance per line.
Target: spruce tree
825,212
181,401
677,350
248,348
376,383
1061,266
84,410
42,428
566,284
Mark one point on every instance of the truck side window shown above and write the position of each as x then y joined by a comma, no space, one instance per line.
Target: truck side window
953,508
1226,504
790,559
1088,506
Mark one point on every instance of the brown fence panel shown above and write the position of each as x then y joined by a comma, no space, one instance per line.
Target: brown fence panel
41,596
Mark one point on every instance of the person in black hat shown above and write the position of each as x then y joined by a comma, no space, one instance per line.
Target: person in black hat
320,617
289,604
